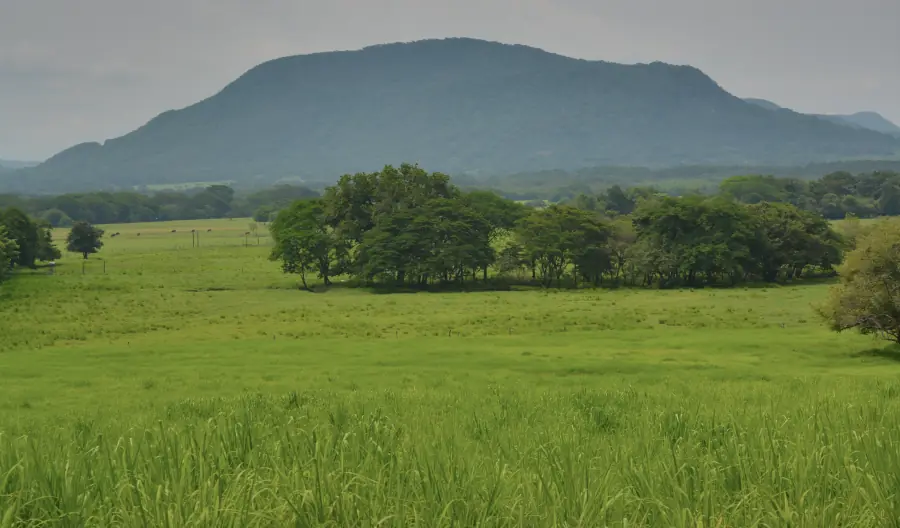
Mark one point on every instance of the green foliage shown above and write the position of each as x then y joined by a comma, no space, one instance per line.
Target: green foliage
9,252
563,186
403,226
868,298
33,239
835,195
557,237
85,239
304,243
57,218
216,201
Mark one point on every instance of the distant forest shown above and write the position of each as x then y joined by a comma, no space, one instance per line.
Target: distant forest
834,196
863,189
561,185
215,201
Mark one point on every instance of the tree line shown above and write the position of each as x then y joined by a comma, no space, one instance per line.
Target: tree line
406,227
214,201
836,195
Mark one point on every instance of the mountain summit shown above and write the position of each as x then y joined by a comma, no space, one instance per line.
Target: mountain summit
453,105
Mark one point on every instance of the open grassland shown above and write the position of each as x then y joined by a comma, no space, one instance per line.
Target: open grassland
188,386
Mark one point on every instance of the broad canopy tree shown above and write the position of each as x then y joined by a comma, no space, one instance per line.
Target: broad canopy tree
84,238
304,243
868,297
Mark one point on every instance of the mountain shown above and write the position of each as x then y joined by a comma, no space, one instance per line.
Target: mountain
869,120
864,120
460,106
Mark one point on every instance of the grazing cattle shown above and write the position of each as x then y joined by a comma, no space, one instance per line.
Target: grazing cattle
139,234
209,230
174,231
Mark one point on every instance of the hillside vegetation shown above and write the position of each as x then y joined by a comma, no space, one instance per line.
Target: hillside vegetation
457,105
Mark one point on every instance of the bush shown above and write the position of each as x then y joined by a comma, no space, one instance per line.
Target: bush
868,298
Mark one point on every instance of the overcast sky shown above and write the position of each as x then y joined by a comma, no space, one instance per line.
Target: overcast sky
87,70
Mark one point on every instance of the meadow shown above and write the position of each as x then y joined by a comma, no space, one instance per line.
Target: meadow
163,384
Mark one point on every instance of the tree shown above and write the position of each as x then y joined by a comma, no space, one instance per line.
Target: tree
8,253
868,297
25,232
618,202
84,238
264,213
46,250
442,240
305,244
699,238
561,236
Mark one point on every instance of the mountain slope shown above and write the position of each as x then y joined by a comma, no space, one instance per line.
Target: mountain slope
455,105
763,103
865,120
869,120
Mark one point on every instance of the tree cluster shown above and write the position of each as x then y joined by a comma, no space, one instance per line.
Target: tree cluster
401,226
835,195
215,201
407,227
24,241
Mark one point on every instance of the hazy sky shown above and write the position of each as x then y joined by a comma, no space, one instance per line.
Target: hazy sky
88,70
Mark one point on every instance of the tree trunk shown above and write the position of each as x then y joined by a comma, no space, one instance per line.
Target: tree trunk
303,279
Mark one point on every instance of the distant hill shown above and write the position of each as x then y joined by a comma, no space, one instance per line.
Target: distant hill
863,120
11,165
869,120
768,105
460,106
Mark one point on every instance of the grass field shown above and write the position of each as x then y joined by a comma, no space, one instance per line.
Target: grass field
162,384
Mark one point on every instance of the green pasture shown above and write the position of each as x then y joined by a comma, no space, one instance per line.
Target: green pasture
165,384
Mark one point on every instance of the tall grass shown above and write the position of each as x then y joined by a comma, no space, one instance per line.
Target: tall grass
802,454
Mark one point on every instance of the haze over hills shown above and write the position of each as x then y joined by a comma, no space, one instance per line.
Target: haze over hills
460,106
11,164
866,120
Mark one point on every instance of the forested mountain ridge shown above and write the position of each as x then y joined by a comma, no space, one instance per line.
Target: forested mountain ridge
462,106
